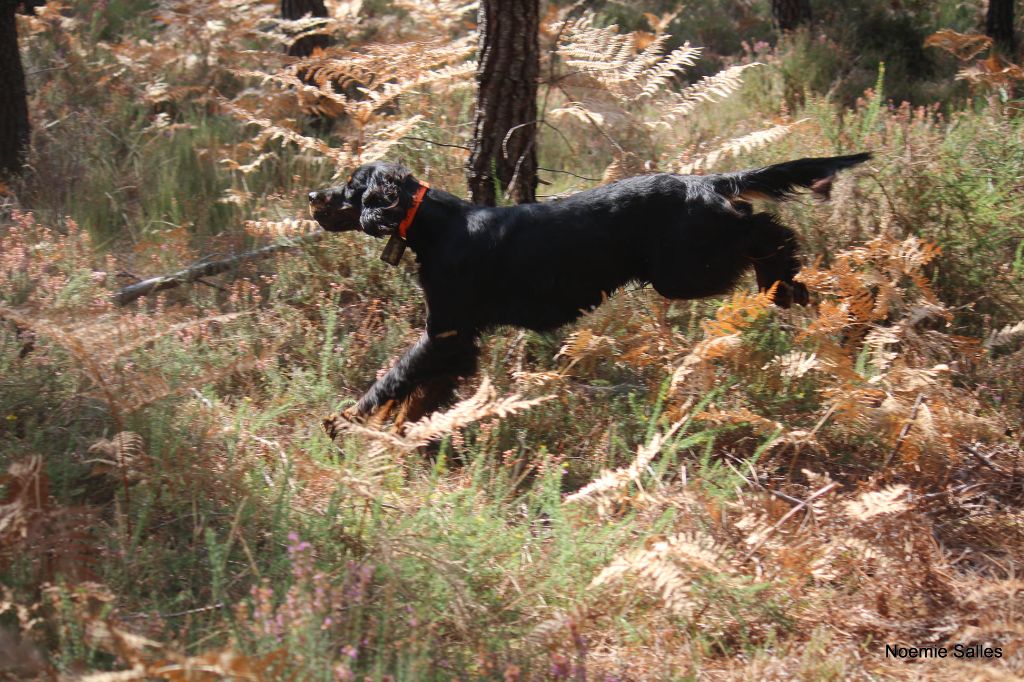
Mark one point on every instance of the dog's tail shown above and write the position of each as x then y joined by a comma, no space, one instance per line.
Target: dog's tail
781,181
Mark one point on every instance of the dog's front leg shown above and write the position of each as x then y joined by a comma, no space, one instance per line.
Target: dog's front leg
426,375
434,365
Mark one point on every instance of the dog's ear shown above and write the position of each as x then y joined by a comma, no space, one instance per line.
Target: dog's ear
385,200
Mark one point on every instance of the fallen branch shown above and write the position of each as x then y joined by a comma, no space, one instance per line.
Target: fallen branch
778,524
196,272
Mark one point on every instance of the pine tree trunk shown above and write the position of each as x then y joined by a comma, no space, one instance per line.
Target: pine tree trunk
999,27
505,129
296,9
14,127
791,14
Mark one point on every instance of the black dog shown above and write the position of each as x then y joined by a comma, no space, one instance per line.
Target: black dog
540,266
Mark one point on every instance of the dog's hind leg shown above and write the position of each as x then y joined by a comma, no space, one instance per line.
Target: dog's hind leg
773,251
430,396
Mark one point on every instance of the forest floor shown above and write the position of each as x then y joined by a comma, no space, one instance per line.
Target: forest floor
713,489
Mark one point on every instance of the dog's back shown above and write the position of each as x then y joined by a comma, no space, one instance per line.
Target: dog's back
539,265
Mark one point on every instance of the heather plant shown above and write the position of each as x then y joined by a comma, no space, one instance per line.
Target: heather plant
663,490
313,616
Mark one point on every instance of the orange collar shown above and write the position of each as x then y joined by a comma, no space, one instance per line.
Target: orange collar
417,199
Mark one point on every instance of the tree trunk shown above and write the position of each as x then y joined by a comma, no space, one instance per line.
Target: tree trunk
999,27
505,129
791,14
14,128
296,9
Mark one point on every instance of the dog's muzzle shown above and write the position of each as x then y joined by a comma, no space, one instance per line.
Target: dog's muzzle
329,208
317,201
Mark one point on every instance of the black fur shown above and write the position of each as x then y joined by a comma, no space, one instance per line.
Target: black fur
540,266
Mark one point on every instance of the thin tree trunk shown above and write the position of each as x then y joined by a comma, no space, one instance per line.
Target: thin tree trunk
791,14
296,9
505,128
999,27
14,126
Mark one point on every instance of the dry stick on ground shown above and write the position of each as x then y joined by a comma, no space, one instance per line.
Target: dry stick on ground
904,431
778,524
196,272
984,459
796,449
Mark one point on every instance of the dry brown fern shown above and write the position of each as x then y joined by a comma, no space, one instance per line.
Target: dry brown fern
610,486
281,228
92,607
484,404
628,84
374,89
989,74
1005,336
122,456
738,145
106,351
926,499
602,58
877,361
722,338
666,567
46,539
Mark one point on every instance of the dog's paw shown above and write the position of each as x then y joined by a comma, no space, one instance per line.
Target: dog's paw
788,294
330,425
335,423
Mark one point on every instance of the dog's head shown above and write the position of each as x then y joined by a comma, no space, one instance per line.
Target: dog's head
375,199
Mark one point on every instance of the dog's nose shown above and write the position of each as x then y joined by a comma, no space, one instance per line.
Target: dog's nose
318,199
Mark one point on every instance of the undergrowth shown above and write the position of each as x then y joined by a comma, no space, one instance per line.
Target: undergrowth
664,490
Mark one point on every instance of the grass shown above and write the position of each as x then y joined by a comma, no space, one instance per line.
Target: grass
632,526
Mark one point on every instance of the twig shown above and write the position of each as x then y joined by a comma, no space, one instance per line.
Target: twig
202,609
565,172
196,272
435,142
824,418
62,67
984,459
519,162
904,431
566,140
784,496
778,524
595,124
813,432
